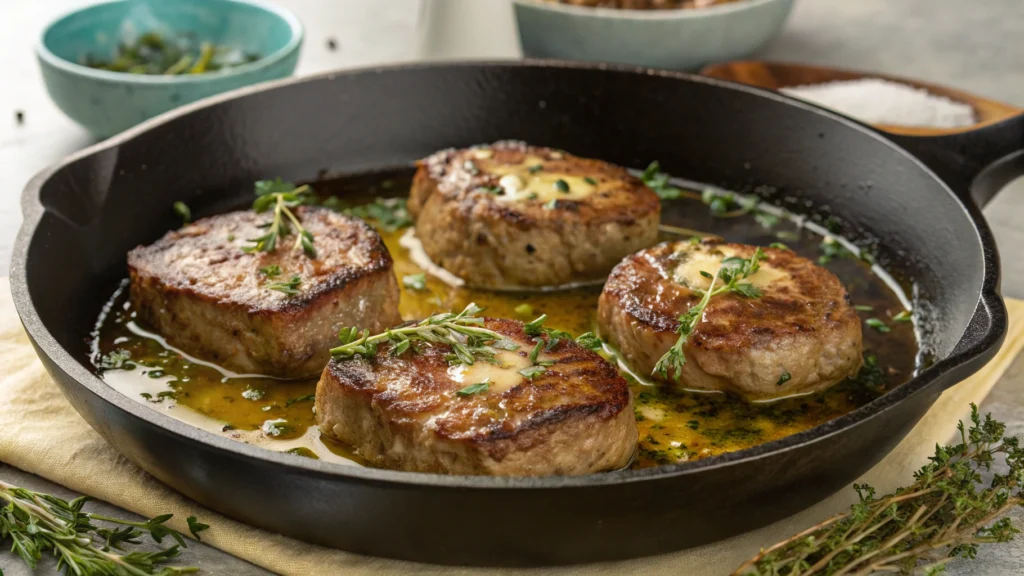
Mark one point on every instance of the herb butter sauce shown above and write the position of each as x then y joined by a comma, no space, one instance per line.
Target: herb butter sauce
674,425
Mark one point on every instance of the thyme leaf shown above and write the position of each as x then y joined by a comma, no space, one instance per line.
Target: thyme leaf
289,288
415,281
478,388
183,211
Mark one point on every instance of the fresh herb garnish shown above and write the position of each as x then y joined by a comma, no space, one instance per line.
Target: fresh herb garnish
658,182
271,271
388,214
535,168
831,249
253,394
946,513
903,316
766,220
183,211
276,427
863,308
477,388
289,288
877,325
783,378
306,398
551,205
463,332
562,186
731,271
523,309
117,360
303,452
195,527
590,180
415,281
37,523
282,197
779,245
531,372
590,341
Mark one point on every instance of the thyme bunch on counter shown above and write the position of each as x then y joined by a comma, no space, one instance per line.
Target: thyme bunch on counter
944,514
731,271
282,197
37,523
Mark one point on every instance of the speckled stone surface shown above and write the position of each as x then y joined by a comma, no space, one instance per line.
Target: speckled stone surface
970,45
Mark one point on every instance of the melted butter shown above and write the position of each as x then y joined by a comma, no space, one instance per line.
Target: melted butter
688,272
501,377
521,183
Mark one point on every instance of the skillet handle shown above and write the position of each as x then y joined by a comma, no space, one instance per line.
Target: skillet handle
977,163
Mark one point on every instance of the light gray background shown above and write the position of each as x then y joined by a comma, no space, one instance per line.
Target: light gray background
973,45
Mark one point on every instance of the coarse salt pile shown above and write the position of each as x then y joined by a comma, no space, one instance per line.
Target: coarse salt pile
877,101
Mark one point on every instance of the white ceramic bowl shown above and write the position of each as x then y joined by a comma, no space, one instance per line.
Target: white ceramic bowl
684,39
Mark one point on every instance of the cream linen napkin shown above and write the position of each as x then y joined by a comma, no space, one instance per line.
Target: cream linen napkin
41,433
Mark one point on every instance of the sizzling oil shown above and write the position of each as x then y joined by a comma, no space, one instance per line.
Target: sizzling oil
674,425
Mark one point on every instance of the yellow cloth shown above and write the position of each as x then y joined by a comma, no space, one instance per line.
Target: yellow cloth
41,433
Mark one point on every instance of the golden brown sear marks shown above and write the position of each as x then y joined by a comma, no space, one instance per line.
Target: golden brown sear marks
510,214
801,335
406,412
198,288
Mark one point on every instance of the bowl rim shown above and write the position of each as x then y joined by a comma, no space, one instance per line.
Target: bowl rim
294,42
636,14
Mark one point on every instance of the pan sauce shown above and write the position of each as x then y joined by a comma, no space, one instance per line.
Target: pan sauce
674,425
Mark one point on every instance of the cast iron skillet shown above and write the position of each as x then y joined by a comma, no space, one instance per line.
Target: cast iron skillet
82,216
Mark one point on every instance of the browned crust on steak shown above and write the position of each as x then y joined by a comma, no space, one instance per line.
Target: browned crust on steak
803,324
403,413
491,242
207,296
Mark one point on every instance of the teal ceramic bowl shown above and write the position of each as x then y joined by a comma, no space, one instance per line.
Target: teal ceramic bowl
686,39
106,102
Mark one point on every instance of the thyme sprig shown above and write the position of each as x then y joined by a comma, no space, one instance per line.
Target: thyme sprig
464,332
943,515
731,271
37,523
282,197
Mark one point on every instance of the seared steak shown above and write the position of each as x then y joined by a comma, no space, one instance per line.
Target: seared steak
406,412
510,214
200,290
801,335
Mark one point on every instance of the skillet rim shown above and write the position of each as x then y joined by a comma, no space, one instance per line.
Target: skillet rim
989,304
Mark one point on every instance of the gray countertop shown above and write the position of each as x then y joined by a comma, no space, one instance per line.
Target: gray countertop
970,45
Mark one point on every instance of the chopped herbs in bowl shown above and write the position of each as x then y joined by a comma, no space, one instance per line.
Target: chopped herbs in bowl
181,53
